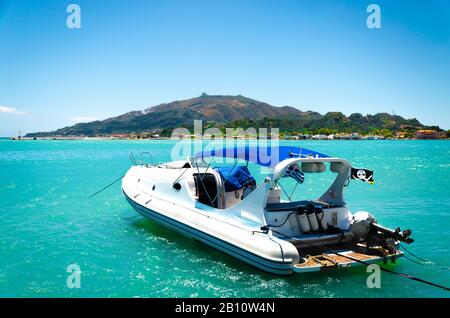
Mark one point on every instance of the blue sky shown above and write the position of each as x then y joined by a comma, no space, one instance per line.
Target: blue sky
129,55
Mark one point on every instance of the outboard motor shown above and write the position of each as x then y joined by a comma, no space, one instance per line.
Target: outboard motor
361,224
397,234
364,225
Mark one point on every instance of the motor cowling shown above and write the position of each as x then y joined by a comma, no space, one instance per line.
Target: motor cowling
361,224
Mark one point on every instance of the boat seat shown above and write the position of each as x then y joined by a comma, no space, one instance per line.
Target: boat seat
206,188
290,206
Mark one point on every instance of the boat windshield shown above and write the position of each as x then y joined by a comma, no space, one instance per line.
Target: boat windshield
197,162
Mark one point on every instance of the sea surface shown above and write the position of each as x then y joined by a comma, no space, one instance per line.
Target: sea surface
48,222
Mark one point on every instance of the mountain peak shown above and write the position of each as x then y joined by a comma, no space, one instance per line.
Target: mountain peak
228,110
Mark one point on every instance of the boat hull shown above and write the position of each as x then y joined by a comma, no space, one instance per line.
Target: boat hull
265,264
233,231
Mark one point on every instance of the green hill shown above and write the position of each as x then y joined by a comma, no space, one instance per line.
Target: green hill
236,111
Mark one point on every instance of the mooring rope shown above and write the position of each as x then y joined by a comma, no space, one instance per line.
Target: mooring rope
414,261
105,187
414,255
404,275
424,261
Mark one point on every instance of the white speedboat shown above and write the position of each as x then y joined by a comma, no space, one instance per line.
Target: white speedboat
223,207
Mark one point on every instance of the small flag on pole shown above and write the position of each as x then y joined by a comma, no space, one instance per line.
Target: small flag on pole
363,175
295,173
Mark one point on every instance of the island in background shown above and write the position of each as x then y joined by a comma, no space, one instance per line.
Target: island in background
223,111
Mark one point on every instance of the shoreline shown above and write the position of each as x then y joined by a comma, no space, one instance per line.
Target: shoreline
196,139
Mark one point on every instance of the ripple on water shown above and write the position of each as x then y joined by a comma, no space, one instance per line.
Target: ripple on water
48,223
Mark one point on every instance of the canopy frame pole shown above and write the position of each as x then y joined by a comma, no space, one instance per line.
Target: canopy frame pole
223,188
201,181
281,186
179,177
292,193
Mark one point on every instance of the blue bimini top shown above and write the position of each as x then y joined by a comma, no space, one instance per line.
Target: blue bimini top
235,178
261,155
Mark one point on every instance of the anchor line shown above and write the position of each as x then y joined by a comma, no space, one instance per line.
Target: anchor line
404,275
414,255
423,260
105,187
414,261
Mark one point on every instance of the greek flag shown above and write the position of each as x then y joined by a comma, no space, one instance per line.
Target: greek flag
295,173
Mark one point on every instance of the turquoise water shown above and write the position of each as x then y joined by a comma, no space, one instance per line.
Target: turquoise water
47,223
